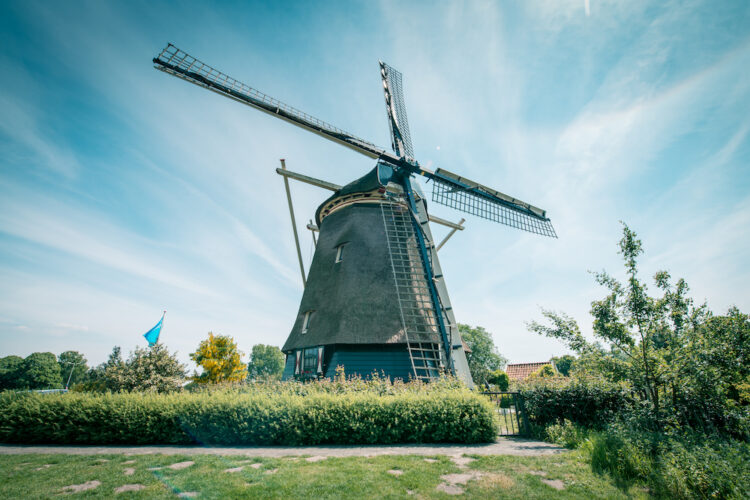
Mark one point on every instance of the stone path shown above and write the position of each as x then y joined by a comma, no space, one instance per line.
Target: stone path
504,446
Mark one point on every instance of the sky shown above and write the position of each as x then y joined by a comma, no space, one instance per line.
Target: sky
125,191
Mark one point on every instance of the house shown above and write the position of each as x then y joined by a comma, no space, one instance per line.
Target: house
521,371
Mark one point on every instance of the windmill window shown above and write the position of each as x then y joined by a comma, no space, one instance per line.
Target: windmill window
340,253
306,321
310,360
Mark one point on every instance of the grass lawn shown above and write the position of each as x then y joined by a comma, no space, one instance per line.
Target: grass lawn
210,476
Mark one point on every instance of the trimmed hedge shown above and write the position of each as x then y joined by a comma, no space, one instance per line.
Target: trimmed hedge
235,418
589,405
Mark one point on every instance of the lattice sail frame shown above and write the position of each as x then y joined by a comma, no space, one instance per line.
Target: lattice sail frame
394,100
469,201
179,63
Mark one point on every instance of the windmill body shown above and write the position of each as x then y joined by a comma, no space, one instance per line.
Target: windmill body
366,306
375,297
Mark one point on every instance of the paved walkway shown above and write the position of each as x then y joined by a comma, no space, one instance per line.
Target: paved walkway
504,446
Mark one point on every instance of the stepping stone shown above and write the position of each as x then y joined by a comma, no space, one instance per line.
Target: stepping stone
537,473
395,472
450,489
554,483
129,471
409,492
462,478
181,465
128,462
88,485
45,466
272,471
461,461
430,460
154,468
233,469
316,458
256,466
129,487
188,494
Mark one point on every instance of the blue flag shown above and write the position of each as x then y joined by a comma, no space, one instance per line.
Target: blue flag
153,335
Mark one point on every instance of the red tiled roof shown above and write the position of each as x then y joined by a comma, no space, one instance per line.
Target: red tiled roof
520,371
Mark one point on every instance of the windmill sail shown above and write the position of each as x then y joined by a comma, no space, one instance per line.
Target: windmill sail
394,105
181,64
471,197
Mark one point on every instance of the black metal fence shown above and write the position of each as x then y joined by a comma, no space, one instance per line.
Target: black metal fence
510,411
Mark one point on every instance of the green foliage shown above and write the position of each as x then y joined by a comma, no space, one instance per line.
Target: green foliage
73,367
564,364
685,365
484,357
589,404
220,359
499,379
567,434
41,371
150,369
545,371
674,465
11,372
266,361
258,414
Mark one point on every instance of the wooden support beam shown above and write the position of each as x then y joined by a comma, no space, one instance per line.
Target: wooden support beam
309,180
335,187
294,224
450,234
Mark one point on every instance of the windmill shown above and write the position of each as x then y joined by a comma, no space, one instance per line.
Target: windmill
375,296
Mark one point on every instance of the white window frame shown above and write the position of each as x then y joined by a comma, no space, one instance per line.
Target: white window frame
306,321
339,253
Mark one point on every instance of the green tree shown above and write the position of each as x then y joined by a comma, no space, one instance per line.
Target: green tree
679,359
499,379
545,371
41,371
266,361
149,369
564,364
484,356
220,359
11,372
73,367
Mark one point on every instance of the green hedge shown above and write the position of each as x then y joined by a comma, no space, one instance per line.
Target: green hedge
590,405
236,418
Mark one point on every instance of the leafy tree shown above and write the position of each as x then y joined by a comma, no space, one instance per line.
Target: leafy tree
73,367
564,364
545,371
220,359
484,356
41,371
499,379
150,369
266,361
680,360
11,372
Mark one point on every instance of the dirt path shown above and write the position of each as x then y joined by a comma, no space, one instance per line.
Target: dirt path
504,446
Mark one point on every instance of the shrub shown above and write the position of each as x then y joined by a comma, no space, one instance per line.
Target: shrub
252,416
588,404
567,434
499,379
676,465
